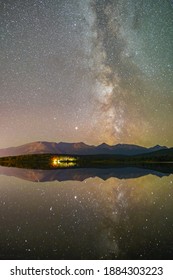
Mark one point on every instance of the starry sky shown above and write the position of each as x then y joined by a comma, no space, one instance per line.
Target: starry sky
86,70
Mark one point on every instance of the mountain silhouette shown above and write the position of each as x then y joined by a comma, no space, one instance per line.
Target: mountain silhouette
42,147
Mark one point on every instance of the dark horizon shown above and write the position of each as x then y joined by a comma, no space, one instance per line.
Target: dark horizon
89,144
79,148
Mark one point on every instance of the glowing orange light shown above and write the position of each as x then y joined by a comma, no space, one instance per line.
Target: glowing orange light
55,161
63,161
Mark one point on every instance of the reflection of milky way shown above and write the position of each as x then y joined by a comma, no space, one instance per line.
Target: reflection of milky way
92,219
131,211
92,71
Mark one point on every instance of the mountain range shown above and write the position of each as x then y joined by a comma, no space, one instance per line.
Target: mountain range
42,147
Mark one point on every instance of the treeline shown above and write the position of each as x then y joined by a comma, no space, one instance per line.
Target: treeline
27,161
44,161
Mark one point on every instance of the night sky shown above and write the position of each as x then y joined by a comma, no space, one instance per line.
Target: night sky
82,70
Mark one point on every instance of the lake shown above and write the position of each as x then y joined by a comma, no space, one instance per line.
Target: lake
122,214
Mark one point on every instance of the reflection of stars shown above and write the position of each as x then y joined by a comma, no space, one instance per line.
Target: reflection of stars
76,127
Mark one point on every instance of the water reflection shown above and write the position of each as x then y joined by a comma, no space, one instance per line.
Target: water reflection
92,219
65,172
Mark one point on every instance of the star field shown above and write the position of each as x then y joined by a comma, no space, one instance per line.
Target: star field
93,71
93,219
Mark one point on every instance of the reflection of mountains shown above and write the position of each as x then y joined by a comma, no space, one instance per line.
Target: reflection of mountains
80,174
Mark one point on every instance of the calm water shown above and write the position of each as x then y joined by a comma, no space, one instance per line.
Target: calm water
90,219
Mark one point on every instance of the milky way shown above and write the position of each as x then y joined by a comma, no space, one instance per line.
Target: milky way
93,71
